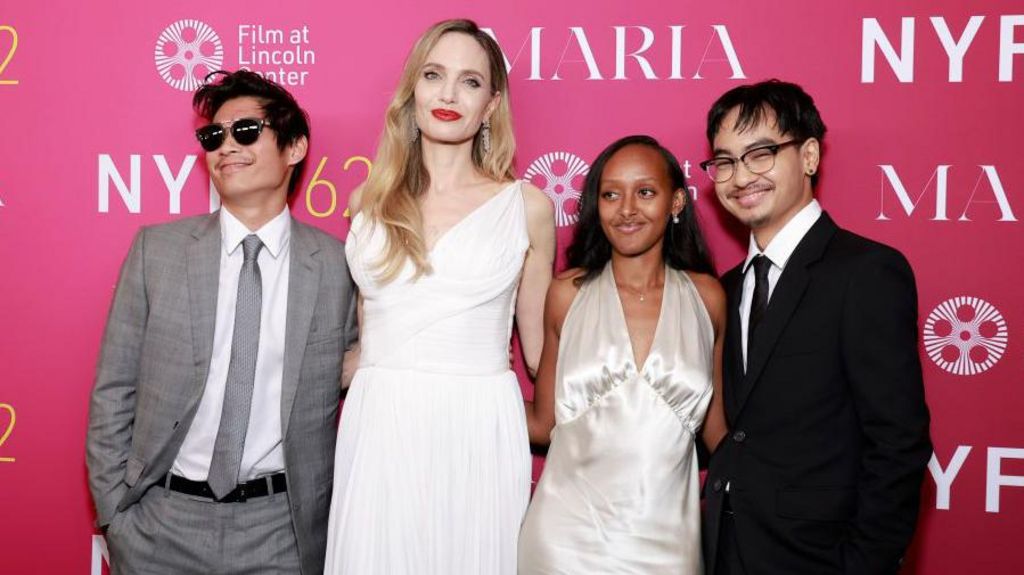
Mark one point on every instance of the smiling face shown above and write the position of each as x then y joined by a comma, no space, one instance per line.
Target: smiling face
259,172
453,94
636,200
765,202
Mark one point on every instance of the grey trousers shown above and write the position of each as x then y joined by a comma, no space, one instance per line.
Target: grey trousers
171,533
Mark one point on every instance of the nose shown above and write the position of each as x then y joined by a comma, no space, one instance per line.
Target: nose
229,145
627,207
742,176
448,91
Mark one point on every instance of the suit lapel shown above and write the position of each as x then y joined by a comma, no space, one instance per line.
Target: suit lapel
303,286
203,265
784,300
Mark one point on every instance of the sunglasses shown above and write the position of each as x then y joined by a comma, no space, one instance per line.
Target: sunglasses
245,131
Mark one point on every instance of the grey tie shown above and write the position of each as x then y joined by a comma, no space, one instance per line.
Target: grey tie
245,343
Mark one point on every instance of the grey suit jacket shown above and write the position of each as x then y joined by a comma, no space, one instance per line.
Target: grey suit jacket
156,355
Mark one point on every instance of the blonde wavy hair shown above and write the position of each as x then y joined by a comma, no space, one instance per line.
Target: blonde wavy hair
399,178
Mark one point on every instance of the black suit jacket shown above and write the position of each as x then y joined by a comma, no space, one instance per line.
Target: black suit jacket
828,426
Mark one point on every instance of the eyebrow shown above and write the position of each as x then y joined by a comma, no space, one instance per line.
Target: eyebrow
643,180
758,143
461,72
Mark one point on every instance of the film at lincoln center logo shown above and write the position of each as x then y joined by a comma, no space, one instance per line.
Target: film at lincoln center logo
965,335
186,52
560,175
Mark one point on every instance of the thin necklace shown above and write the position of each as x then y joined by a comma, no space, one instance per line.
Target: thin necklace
641,293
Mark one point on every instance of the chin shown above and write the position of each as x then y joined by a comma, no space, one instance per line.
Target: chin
758,221
749,218
631,250
448,137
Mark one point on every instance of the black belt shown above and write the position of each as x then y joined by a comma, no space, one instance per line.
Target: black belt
249,490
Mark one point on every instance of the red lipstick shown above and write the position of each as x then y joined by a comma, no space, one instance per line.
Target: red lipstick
446,115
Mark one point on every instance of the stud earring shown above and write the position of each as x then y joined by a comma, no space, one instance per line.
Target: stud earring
675,218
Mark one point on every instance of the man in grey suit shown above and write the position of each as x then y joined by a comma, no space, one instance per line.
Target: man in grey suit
213,418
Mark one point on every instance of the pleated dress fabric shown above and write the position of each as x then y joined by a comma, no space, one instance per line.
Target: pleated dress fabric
432,469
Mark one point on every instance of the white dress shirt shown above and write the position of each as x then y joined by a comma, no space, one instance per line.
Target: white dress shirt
778,253
263,453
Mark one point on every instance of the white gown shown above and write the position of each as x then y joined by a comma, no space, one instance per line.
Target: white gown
432,470
620,489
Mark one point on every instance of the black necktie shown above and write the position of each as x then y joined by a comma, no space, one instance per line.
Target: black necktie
759,303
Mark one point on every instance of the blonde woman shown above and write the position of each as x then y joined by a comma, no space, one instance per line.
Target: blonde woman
433,465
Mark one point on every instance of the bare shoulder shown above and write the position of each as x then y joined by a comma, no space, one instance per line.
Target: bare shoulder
712,294
562,291
538,205
355,200
571,275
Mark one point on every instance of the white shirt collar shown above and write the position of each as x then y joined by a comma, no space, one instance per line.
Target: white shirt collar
784,243
274,234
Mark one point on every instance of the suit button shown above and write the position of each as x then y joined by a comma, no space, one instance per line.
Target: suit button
717,485
740,436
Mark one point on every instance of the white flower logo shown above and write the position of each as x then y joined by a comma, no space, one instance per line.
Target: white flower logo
560,175
186,52
965,335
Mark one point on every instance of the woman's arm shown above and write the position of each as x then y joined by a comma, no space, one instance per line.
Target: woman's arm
351,359
713,295
537,271
540,413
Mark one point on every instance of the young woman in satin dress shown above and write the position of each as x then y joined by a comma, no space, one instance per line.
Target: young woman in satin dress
629,378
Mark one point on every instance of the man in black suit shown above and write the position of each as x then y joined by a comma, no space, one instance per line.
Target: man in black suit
828,441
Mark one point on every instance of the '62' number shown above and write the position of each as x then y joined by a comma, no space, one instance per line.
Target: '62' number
7,432
7,59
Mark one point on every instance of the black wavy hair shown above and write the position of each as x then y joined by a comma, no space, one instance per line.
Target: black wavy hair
286,118
793,108
683,247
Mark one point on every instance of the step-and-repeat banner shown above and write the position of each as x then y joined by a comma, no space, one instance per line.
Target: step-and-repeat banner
923,102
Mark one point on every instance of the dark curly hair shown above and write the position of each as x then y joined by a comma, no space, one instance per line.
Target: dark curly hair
286,118
683,248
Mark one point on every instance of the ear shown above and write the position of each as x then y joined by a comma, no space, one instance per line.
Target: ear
810,155
297,150
492,105
678,201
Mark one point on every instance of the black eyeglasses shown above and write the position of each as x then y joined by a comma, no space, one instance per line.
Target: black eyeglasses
245,131
758,160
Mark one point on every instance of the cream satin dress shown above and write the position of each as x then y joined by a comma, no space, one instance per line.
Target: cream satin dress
620,488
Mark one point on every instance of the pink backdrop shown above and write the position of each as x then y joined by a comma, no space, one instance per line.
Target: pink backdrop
923,107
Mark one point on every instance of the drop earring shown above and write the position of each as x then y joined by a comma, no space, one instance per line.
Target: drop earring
414,131
485,136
